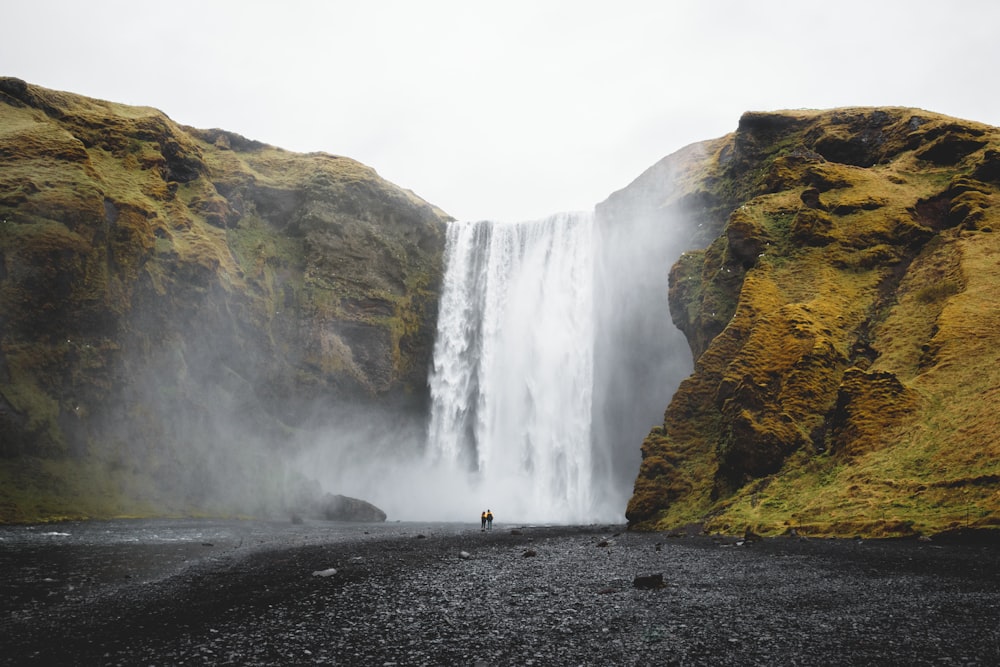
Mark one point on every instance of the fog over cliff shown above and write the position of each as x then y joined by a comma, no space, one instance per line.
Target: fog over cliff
198,322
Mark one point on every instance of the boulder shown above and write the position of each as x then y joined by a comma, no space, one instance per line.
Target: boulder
342,508
329,572
648,581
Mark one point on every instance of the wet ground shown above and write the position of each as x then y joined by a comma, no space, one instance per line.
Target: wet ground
247,593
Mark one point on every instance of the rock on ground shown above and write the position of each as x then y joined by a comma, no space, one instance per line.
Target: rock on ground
400,600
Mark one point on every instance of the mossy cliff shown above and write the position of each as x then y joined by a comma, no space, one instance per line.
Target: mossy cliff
843,311
176,303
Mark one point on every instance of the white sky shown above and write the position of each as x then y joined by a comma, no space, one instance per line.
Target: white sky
506,110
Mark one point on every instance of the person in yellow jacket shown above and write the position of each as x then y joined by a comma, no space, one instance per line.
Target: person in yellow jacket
484,522
489,519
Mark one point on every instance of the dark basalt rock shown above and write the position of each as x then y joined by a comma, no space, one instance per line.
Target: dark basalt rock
343,508
648,581
399,600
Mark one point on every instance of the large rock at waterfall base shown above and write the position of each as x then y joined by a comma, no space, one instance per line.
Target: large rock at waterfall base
343,508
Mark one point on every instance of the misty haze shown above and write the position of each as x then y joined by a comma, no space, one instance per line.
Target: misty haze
254,402
529,312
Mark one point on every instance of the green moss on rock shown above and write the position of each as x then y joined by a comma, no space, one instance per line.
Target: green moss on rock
149,270
838,317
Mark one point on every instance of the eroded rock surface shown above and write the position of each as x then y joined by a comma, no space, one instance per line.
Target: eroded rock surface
181,307
843,315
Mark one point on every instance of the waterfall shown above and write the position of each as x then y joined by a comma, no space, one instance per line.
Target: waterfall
512,381
554,356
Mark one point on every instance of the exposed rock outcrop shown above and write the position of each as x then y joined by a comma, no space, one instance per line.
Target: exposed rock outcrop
335,507
179,306
843,314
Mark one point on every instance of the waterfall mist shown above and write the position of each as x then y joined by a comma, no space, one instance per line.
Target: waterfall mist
555,355
512,381
640,356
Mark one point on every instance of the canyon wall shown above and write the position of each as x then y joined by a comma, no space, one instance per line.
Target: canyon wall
177,305
842,310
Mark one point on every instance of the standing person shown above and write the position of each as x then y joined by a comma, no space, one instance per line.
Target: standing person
484,522
489,519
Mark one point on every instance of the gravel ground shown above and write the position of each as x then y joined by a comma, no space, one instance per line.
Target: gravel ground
530,596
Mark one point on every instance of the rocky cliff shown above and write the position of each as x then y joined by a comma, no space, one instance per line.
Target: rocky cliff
183,310
177,304
842,304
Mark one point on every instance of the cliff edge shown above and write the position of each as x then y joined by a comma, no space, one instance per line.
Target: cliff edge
180,306
843,314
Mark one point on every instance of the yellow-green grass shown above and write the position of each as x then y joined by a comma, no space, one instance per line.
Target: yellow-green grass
917,452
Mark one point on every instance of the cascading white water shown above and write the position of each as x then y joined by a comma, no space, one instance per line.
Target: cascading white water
512,381
554,356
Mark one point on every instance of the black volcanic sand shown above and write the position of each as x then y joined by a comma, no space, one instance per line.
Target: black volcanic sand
524,596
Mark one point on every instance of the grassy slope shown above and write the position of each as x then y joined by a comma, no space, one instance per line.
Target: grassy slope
126,238
853,385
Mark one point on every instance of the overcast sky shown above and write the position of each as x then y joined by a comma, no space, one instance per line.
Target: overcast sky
506,110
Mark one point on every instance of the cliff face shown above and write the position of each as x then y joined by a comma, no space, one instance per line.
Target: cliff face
843,313
176,304
182,309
